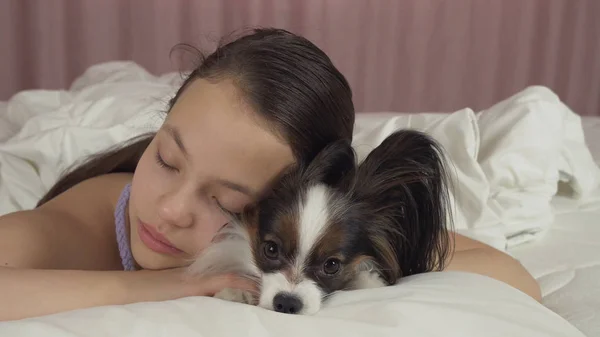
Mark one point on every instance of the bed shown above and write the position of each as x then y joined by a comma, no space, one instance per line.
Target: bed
566,261
538,201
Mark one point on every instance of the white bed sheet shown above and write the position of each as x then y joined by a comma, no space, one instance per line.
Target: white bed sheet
452,304
566,260
7,129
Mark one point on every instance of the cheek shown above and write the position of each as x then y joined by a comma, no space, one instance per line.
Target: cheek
201,237
207,224
148,182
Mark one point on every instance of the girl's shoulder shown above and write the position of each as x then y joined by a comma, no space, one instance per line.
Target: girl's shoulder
91,203
74,230
101,192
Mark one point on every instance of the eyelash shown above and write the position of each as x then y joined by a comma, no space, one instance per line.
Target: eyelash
223,209
161,162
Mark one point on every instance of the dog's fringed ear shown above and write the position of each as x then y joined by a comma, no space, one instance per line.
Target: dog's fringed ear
333,163
231,249
404,183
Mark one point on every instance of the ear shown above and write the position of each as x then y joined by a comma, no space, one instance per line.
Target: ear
333,163
404,184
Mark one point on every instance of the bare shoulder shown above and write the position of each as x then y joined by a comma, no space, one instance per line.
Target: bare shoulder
91,203
74,230
98,194
460,243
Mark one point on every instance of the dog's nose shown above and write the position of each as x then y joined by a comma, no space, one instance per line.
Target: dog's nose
287,303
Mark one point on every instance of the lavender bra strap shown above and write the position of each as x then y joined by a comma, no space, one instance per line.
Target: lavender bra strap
121,230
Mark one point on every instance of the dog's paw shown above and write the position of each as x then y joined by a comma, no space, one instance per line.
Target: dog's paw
235,295
367,280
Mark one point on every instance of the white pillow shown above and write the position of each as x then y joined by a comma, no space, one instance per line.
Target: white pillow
435,304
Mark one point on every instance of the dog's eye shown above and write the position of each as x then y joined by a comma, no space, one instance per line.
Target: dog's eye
271,250
332,266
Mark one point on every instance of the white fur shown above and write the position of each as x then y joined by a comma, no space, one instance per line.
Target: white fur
367,280
235,295
230,253
272,284
306,290
311,296
314,215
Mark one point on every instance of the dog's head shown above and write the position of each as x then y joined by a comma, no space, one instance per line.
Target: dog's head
325,226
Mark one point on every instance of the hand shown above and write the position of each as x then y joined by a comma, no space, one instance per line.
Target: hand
238,295
211,285
177,283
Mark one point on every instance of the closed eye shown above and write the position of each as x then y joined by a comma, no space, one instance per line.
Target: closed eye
161,162
228,213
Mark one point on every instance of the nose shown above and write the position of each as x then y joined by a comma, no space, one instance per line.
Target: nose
287,303
175,209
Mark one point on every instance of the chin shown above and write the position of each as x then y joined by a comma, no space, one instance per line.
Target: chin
338,225
145,258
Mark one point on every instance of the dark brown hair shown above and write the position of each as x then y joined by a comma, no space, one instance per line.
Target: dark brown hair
289,82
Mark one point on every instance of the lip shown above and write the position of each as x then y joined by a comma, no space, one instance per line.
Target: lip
156,241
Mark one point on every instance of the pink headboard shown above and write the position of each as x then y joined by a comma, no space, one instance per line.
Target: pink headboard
400,55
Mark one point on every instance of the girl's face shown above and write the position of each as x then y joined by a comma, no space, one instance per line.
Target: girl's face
212,152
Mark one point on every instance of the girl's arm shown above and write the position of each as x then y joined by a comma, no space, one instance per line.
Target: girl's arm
477,257
35,292
43,257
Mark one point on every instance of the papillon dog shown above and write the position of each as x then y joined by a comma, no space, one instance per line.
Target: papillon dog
338,225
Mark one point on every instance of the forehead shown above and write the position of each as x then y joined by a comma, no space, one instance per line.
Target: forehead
312,223
225,137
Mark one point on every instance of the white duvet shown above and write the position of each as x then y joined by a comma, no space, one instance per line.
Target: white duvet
507,162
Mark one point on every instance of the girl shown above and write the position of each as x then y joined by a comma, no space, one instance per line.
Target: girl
251,110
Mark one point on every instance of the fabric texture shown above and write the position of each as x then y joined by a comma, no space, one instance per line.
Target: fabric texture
448,304
121,230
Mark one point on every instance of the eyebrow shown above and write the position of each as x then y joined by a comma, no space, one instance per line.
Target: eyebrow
237,187
174,132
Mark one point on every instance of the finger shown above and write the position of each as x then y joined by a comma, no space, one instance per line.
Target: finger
217,283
